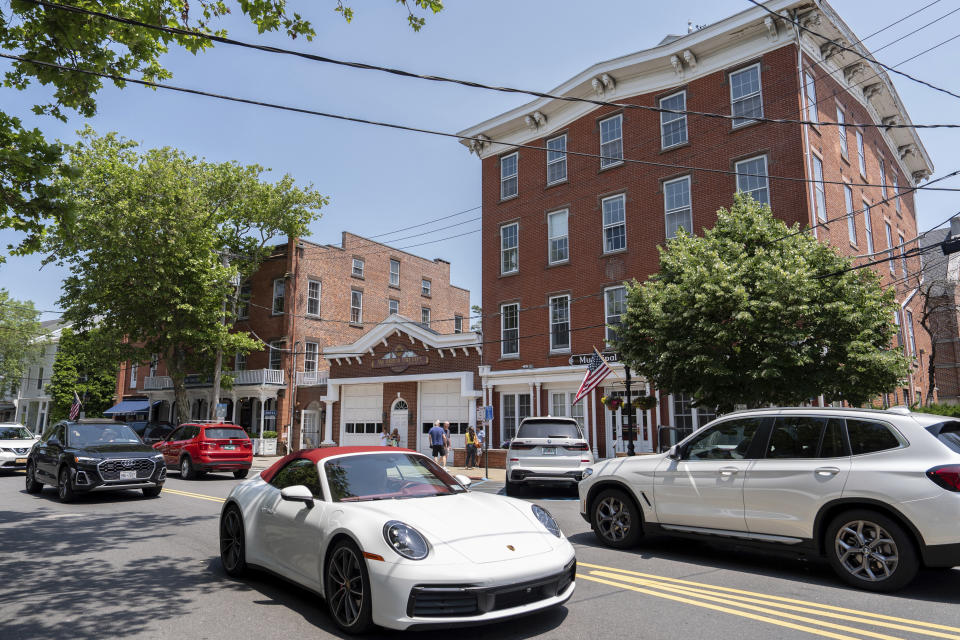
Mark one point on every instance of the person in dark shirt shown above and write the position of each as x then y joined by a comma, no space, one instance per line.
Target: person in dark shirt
437,438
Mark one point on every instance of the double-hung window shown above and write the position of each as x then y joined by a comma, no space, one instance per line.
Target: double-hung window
458,324
425,287
851,217
357,268
861,157
516,407
425,316
611,141
508,175
356,306
240,362
752,178
276,354
313,297
393,306
278,289
896,321
557,159
869,227
842,131
896,190
746,101
614,305
883,177
510,329
311,356
893,268
614,223
394,273
509,248
810,93
243,304
677,211
560,323
912,339
673,126
562,404
819,200
903,257
134,369
559,249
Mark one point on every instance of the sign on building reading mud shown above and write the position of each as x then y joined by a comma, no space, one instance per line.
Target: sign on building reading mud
400,359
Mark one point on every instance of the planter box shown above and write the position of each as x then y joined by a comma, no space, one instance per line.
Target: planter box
264,446
498,458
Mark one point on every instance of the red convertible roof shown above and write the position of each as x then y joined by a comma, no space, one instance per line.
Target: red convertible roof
316,455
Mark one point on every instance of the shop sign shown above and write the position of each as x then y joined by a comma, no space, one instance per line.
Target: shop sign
400,359
583,359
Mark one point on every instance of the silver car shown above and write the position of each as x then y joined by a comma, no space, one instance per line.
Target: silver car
15,443
875,492
547,450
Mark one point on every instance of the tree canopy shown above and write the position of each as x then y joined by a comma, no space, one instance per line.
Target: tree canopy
146,248
20,340
754,312
48,34
84,364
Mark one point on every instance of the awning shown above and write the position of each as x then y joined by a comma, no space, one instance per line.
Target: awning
129,406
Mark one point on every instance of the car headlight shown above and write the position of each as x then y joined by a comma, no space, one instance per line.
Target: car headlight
158,456
546,520
86,459
587,473
405,540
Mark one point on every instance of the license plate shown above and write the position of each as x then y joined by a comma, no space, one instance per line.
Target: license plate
548,451
128,475
228,446
20,461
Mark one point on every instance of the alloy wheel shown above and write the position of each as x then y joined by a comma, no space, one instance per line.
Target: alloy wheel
231,541
346,580
613,519
866,550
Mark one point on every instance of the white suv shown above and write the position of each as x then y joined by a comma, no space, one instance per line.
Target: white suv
548,450
876,492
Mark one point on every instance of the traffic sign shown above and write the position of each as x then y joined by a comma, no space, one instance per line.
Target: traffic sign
488,412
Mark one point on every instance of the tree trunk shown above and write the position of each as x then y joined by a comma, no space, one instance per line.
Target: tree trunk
178,375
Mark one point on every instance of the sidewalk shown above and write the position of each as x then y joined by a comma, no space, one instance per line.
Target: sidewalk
263,462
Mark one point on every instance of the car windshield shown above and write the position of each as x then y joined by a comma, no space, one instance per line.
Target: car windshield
223,433
545,429
387,476
15,433
84,435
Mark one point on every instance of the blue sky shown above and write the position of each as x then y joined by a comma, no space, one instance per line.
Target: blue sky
379,180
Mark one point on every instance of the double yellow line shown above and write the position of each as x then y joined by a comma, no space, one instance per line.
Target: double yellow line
190,494
763,607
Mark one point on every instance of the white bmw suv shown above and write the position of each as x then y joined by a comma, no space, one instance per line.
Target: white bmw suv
876,492
547,450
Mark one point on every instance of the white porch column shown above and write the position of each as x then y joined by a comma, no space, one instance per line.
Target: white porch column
593,422
300,447
473,413
533,402
538,401
328,425
262,400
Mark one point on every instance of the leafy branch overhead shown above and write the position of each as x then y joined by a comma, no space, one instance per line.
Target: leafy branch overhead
738,316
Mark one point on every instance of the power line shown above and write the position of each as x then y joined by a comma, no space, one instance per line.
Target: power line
412,129
467,83
843,47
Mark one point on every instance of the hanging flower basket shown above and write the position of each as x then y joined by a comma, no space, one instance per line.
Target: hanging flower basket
612,403
645,403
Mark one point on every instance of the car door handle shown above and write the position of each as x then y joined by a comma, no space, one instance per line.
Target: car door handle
826,472
728,471
267,510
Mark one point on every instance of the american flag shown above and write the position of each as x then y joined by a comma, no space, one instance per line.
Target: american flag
75,407
597,370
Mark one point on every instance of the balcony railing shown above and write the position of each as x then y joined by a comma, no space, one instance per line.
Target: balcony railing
246,377
310,378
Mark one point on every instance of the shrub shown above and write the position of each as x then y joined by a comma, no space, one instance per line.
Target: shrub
950,410
269,434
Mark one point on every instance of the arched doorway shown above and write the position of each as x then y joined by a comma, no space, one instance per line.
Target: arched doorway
399,418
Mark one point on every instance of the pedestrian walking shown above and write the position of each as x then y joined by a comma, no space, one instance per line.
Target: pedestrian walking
436,442
471,448
385,436
446,443
395,438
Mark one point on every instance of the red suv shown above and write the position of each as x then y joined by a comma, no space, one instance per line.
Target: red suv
196,448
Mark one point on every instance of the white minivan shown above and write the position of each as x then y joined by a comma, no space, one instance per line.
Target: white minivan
547,450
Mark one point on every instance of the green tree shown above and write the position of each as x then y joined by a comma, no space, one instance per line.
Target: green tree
749,314
28,200
146,250
20,340
85,365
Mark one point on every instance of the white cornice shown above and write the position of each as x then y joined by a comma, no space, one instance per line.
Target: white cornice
399,324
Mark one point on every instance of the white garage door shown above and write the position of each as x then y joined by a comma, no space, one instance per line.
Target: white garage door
361,414
441,400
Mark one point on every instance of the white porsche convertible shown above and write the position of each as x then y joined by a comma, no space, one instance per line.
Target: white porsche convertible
389,538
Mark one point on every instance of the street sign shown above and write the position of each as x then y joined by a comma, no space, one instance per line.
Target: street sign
480,414
488,412
270,413
583,359
221,412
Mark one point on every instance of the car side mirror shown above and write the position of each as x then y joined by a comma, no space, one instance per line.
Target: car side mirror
54,441
464,480
297,493
673,452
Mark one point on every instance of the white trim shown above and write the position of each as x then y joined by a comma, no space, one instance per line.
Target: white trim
397,324
319,284
565,236
556,161
689,208
677,118
766,174
553,348
746,121
515,248
515,176
505,354
606,162
465,377
604,225
394,261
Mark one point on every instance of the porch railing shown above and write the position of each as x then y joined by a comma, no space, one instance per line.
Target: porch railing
310,378
245,377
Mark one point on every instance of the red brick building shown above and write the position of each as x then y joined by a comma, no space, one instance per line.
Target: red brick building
305,297
562,232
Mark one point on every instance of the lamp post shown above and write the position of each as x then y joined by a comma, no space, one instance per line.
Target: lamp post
630,412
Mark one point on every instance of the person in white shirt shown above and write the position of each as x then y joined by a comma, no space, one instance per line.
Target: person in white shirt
385,437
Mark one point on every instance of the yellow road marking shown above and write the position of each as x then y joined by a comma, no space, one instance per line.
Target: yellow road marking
189,494
698,594
707,605
878,616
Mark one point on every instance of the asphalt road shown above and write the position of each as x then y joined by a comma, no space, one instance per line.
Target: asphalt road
117,565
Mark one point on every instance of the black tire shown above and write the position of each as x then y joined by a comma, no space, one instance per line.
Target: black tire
512,488
233,549
240,474
152,492
33,485
64,485
886,559
615,519
344,567
187,472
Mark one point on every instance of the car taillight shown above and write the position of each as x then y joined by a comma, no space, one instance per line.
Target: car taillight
577,447
947,476
516,446
246,444
208,445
